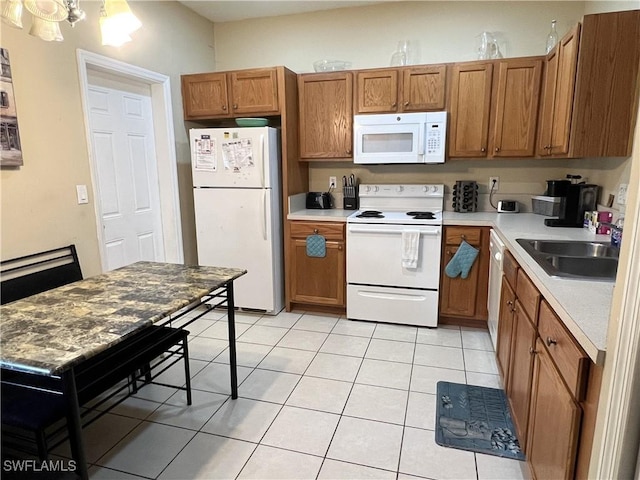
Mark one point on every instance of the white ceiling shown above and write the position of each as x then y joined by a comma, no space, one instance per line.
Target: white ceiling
231,10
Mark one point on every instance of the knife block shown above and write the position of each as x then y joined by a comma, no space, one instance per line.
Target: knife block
350,198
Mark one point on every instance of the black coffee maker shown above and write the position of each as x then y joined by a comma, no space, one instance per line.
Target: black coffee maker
576,198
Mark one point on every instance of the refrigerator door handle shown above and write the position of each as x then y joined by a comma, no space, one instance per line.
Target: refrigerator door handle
264,213
262,159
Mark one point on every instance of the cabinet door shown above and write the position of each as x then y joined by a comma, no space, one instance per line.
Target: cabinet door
554,422
557,104
470,106
458,295
377,91
520,370
204,95
318,280
423,88
254,91
505,329
326,115
517,100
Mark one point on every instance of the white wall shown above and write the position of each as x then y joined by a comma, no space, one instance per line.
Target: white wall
442,31
39,208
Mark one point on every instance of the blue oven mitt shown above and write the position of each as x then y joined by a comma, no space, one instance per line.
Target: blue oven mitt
316,246
462,261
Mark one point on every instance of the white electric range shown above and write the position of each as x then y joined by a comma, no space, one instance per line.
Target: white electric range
393,254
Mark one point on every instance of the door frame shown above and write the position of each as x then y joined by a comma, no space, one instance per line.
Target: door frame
160,88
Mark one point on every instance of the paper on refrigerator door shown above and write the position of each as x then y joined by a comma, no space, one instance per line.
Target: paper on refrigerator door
205,153
237,154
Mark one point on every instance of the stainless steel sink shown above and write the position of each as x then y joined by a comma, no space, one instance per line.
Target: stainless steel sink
571,249
574,259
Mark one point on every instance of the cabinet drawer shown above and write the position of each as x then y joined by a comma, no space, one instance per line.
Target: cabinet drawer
331,231
455,235
510,269
528,295
570,359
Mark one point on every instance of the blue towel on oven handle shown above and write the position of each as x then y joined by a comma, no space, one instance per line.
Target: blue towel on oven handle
462,261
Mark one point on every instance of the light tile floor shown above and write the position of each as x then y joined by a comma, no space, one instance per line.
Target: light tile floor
319,397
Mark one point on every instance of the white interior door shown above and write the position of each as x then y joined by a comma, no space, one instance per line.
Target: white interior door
128,195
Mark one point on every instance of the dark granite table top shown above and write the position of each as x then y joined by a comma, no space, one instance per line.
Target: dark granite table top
53,331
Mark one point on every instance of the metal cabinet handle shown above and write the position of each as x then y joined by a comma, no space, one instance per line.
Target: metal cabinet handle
551,341
463,236
497,149
340,247
532,351
483,149
394,104
406,104
315,230
235,106
224,107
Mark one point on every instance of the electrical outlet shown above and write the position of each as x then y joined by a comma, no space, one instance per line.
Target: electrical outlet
332,182
496,185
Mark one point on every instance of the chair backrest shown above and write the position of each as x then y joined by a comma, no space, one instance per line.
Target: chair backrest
25,276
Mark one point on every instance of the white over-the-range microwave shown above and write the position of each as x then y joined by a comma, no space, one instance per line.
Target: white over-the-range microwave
400,138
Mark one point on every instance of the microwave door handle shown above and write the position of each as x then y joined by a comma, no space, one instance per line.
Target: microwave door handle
422,144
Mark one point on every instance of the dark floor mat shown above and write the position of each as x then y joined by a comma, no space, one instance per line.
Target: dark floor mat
475,419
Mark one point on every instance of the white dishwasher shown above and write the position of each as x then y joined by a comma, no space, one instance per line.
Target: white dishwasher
496,247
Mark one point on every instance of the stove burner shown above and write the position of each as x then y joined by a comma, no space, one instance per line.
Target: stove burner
422,215
370,214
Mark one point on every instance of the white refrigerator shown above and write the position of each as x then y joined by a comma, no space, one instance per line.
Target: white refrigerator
236,192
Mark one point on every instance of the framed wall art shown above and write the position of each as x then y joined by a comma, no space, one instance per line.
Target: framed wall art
10,149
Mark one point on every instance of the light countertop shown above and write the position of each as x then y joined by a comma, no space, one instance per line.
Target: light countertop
329,215
583,305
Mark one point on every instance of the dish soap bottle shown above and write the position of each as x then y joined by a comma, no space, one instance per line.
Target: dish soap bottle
552,38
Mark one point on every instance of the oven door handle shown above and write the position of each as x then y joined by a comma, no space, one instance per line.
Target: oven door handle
423,231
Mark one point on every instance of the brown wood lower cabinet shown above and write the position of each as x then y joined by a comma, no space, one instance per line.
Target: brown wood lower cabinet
520,369
552,386
317,281
463,301
505,329
554,421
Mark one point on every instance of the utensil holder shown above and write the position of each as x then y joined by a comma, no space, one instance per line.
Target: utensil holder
465,196
350,197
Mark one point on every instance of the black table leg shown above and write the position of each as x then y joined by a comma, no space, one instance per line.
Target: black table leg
74,423
231,321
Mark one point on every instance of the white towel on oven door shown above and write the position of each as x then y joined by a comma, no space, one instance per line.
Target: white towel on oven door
410,244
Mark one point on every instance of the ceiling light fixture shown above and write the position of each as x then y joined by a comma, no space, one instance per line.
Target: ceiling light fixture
117,22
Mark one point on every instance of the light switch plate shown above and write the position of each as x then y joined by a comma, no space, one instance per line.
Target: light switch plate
83,195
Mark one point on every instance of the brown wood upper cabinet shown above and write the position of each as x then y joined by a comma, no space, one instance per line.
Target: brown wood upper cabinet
230,94
409,89
494,108
557,100
326,115
470,103
588,106
516,99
